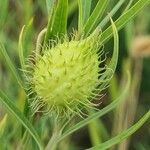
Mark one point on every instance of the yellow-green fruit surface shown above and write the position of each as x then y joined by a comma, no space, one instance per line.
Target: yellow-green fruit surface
66,73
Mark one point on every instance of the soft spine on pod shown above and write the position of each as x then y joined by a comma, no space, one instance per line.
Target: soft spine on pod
65,78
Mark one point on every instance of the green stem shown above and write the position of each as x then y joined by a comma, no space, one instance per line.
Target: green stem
52,144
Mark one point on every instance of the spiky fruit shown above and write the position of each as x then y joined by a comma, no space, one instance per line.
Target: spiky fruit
65,76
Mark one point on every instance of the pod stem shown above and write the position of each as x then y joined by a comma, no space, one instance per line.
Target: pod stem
52,144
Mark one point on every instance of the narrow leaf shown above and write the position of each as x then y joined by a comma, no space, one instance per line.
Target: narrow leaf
10,64
111,13
123,135
123,19
21,44
50,4
129,4
3,15
57,25
73,4
95,16
3,125
84,12
110,70
51,18
98,114
21,50
14,110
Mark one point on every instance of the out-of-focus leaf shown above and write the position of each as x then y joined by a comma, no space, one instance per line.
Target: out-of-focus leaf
50,4
18,114
123,135
10,64
73,4
3,125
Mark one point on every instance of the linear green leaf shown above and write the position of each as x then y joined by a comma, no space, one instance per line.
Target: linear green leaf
4,9
95,16
123,135
51,17
21,42
72,7
14,110
57,25
114,60
111,13
20,45
84,12
10,64
50,4
129,4
3,125
123,19
98,114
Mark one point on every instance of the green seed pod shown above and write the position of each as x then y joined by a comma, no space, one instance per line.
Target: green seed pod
66,77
